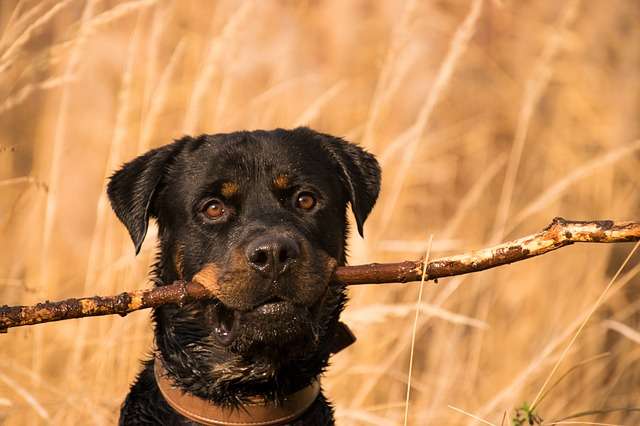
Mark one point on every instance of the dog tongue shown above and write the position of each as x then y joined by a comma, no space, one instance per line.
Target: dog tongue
227,324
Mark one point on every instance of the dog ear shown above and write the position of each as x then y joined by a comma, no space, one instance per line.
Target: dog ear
131,189
360,174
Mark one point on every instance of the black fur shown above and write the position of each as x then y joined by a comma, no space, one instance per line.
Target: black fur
269,329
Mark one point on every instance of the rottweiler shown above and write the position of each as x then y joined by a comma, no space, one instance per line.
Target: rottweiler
260,219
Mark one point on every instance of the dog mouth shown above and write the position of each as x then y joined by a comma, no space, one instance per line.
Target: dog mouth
226,324
275,312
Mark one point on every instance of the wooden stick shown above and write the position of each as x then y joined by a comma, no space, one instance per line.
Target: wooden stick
558,234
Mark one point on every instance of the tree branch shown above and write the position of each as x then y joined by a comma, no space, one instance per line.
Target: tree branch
558,234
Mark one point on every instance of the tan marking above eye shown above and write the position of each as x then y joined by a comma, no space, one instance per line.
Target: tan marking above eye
281,182
229,189
214,209
305,201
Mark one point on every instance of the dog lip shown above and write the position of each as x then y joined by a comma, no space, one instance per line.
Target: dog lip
228,320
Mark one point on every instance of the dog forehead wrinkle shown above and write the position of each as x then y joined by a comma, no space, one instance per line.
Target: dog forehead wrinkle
250,160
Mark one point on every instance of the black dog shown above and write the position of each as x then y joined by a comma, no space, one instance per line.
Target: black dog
259,218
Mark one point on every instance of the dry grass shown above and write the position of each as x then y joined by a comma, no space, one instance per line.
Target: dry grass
490,117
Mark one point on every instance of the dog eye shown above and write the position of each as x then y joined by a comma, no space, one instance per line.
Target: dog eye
305,201
214,209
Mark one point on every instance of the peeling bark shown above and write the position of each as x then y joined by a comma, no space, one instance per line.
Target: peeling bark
558,234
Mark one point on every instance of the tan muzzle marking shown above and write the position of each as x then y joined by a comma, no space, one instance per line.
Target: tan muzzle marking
208,277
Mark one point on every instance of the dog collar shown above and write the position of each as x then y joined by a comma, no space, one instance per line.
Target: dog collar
257,412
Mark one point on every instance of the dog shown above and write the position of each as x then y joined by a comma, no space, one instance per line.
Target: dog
259,218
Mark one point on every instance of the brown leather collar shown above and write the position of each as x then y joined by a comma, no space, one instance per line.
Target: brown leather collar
256,413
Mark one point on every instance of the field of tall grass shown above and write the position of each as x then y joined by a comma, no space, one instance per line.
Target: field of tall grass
489,118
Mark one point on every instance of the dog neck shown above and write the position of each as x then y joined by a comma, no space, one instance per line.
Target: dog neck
235,380
257,412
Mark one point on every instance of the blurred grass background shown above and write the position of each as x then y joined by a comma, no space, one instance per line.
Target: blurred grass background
489,118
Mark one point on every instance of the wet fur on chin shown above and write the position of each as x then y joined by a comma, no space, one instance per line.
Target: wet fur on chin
200,365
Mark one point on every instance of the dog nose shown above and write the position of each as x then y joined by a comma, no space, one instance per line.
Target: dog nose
271,256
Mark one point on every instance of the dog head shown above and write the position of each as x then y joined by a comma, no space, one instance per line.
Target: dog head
259,218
